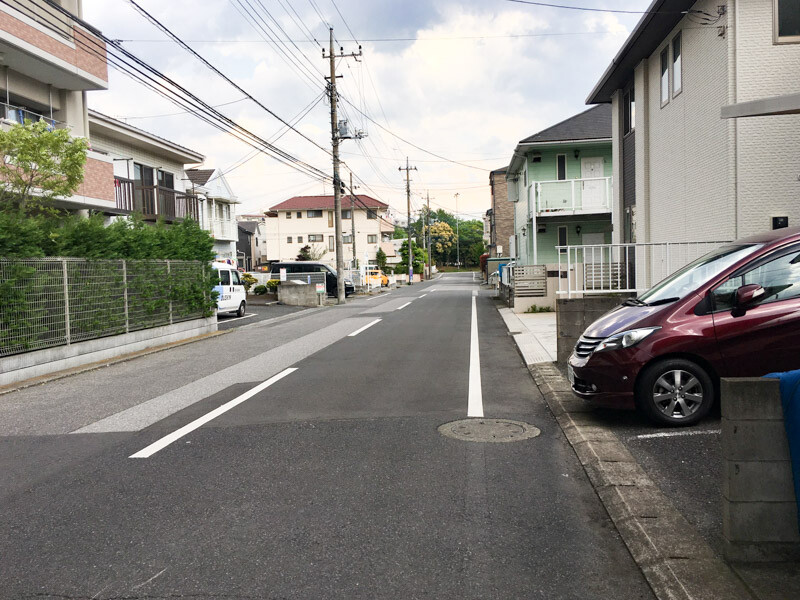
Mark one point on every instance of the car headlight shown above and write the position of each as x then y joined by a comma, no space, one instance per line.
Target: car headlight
348,281
625,339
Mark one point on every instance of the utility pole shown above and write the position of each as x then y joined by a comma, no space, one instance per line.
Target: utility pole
458,240
353,219
430,258
337,182
408,170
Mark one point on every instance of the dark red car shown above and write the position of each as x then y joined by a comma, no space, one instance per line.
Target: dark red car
734,312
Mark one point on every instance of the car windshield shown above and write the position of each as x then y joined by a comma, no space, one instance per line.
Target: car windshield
693,275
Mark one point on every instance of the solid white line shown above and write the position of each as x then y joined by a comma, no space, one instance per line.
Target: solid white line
236,318
179,433
663,434
402,307
367,326
475,403
423,295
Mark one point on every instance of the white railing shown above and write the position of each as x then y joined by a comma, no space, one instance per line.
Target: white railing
612,268
223,228
574,196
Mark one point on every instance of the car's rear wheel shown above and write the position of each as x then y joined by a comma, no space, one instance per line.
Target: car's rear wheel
240,312
675,392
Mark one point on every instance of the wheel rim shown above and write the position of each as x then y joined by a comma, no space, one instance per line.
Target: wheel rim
678,394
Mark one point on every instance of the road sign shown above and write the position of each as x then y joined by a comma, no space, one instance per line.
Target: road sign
283,274
320,288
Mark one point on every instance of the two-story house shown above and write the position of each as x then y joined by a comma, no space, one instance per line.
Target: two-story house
217,209
309,221
148,170
681,172
48,66
560,184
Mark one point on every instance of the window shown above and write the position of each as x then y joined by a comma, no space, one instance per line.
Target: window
787,21
677,73
299,214
371,214
347,239
331,243
289,214
386,237
314,214
347,214
665,76
299,239
780,278
372,239
628,112
235,278
525,176
224,277
289,240
562,238
330,218
561,167
166,180
314,237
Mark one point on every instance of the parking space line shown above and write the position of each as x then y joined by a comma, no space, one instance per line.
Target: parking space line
367,326
179,433
475,401
236,318
402,307
664,434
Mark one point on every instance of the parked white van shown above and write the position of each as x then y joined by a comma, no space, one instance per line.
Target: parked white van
231,295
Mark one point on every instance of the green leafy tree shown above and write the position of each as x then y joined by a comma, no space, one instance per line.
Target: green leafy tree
40,164
443,239
400,233
420,258
380,259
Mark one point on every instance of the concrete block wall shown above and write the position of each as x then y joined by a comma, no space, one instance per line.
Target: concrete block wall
759,507
574,315
299,295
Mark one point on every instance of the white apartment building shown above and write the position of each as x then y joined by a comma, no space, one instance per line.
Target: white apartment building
48,65
681,171
217,209
308,221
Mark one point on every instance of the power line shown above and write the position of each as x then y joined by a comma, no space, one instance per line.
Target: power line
619,11
344,21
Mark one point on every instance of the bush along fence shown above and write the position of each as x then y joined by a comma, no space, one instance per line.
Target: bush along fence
47,302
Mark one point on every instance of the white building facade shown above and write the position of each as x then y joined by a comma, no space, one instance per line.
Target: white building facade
309,221
681,172
217,210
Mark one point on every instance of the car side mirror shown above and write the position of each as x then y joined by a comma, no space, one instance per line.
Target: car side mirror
747,294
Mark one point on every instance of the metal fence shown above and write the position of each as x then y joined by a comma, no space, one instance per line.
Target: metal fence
309,278
604,268
50,302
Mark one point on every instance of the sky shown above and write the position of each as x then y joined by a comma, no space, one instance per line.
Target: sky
451,85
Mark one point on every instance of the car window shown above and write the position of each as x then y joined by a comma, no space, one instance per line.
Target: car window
780,279
225,277
235,278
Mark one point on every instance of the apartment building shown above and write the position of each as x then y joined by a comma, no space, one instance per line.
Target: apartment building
309,221
49,64
681,171
217,209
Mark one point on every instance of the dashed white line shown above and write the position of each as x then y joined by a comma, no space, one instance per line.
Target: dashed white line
179,433
402,307
423,295
475,401
663,434
367,326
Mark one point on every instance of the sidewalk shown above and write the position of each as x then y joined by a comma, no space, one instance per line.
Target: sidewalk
535,334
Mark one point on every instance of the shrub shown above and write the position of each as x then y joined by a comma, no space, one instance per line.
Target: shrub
539,309
260,290
248,281
272,285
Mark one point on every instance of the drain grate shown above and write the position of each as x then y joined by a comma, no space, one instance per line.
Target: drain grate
489,430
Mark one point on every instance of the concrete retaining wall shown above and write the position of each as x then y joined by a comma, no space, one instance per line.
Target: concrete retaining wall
299,295
759,507
574,315
20,367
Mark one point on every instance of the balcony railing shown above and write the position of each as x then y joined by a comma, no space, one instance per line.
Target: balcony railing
18,114
154,201
573,196
223,229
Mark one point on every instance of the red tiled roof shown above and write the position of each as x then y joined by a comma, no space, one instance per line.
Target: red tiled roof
326,202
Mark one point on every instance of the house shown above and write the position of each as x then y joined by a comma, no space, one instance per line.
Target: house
500,216
268,246
147,175
681,172
217,209
46,76
247,245
309,221
560,184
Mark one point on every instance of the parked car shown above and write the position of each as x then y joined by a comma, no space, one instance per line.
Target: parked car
734,312
231,295
295,267
378,276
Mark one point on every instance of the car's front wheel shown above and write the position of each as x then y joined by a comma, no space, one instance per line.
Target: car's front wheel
675,392
241,311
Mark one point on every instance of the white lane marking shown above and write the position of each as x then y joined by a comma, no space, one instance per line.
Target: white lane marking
475,403
378,296
367,326
663,434
161,572
179,433
404,305
236,318
423,295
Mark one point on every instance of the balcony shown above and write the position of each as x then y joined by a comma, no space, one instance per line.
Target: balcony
18,114
154,202
591,195
223,229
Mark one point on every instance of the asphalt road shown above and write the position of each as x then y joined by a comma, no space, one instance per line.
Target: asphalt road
255,313
300,458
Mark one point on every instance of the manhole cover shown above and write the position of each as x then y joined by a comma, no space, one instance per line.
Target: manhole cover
489,430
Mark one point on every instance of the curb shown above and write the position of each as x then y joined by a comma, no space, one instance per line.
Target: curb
676,561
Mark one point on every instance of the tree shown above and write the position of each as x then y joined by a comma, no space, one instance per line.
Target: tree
308,252
400,233
442,240
380,259
420,258
41,163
